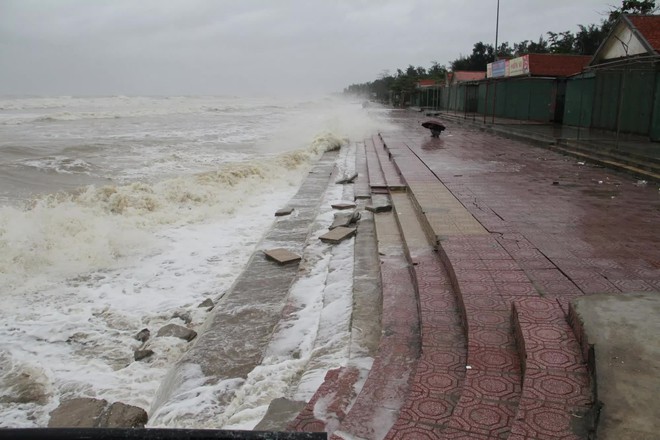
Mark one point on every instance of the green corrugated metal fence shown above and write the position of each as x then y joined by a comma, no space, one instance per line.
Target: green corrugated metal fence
579,101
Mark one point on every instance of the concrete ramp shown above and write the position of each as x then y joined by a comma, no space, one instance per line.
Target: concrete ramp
235,337
625,332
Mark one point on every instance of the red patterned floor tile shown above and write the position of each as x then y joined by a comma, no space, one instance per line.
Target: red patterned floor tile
599,285
456,434
535,263
473,301
538,310
453,255
494,255
473,276
526,254
545,275
494,359
556,286
553,386
386,393
433,282
452,319
310,424
436,382
460,265
509,276
542,420
632,285
494,385
483,417
556,334
442,336
555,358
581,273
501,264
406,428
655,284
603,263
479,288
429,410
518,289
447,359
491,337
488,318
393,369
434,303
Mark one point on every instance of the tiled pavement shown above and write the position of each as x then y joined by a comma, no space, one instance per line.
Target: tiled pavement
513,233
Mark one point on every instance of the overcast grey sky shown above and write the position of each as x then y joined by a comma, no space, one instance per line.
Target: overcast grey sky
178,47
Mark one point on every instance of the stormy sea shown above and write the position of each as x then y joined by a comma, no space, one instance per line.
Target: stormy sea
123,213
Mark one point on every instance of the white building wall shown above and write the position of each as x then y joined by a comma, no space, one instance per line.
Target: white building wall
622,43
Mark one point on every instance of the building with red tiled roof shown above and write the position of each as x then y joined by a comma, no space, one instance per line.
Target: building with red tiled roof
649,26
422,83
557,65
621,89
631,36
539,64
464,76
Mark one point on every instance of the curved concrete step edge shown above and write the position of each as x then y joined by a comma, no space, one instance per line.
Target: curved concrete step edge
556,384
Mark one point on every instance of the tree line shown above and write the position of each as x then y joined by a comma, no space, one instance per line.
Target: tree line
583,42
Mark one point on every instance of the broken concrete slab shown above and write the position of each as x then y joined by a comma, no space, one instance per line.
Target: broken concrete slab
345,219
282,256
347,179
342,206
280,413
284,211
378,208
337,235
625,332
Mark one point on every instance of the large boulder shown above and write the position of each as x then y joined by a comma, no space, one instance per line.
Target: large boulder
85,412
82,412
120,415
177,331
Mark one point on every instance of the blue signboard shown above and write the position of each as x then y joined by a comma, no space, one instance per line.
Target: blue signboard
499,69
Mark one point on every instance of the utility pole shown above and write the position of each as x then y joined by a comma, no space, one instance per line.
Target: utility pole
497,27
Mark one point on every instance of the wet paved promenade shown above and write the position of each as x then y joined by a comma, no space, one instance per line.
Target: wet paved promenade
499,237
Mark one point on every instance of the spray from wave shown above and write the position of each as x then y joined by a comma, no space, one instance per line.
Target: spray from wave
63,234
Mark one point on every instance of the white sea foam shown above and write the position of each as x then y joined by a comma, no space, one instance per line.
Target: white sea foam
81,272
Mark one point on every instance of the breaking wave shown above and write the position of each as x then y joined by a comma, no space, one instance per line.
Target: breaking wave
63,234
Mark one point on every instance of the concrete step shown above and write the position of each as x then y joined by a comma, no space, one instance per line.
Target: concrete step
489,365
362,188
557,398
493,382
441,214
391,174
643,171
608,151
328,407
388,383
376,176
440,374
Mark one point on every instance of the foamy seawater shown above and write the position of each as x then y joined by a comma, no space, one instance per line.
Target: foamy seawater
123,213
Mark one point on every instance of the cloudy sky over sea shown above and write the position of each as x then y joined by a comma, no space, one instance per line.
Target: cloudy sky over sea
179,47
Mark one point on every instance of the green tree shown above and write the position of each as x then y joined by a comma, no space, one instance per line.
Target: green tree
628,7
437,71
588,39
526,46
562,42
482,54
